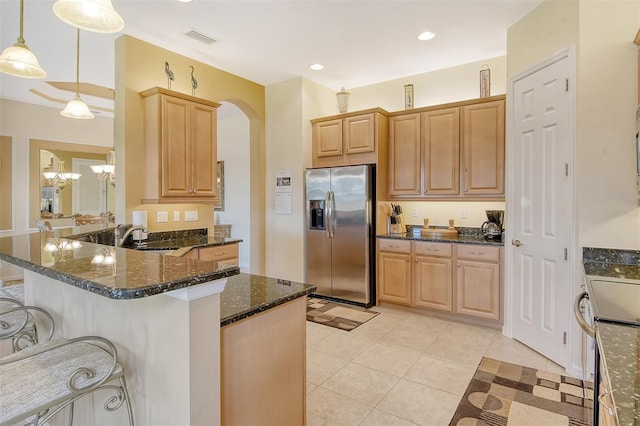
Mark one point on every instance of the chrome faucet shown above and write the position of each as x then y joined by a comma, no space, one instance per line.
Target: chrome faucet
119,241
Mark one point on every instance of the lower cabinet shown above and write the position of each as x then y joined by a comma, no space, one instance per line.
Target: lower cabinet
432,276
394,271
227,253
422,274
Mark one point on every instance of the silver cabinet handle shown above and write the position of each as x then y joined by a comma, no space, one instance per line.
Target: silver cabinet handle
516,243
407,259
220,253
394,246
417,190
477,253
577,312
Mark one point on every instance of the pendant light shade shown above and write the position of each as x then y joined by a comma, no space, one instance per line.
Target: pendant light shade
76,108
91,15
18,60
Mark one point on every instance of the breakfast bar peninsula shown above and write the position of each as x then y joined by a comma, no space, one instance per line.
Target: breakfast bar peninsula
162,312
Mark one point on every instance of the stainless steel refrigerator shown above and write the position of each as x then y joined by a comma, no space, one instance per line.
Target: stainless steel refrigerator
340,211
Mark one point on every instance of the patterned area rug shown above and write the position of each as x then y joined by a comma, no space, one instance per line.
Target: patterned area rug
502,394
338,315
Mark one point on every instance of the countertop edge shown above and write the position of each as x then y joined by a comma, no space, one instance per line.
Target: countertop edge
264,307
461,239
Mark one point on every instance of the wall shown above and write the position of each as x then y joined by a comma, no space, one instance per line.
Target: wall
24,122
289,147
602,33
6,184
234,150
140,66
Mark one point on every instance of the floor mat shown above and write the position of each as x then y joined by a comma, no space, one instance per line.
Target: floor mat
502,394
338,315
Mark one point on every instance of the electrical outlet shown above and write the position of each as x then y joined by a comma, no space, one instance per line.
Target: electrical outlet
176,216
190,215
463,213
414,212
162,217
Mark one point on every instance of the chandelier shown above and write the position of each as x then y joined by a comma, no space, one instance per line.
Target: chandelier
107,171
61,178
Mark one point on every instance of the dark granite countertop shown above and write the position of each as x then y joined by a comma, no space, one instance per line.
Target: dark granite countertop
619,344
619,347
133,274
191,242
465,236
245,295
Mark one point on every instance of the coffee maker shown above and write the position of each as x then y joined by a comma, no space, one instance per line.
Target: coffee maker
492,229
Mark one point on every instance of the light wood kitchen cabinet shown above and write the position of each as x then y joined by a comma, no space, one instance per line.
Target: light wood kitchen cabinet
394,271
441,147
349,139
448,152
432,276
227,253
483,148
180,147
461,279
478,281
404,155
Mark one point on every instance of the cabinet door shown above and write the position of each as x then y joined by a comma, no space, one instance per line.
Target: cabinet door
404,155
433,283
441,148
328,138
204,156
483,148
394,277
478,289
359,134
176,172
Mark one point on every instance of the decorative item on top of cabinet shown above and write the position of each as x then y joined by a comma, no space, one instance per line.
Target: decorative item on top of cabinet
343,100
180,136
350,139
448,152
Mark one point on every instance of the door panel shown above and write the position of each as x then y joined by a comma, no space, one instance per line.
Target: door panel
318,244
541,217
350,245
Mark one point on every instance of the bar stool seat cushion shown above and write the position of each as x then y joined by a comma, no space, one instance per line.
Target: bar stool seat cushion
35,378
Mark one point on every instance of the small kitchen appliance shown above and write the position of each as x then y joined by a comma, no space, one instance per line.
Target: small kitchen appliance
492,229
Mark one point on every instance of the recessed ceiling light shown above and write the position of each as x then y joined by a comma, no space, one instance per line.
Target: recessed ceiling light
316,67
427,35
184,1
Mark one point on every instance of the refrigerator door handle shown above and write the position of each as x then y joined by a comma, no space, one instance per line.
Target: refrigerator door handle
331,215
327,214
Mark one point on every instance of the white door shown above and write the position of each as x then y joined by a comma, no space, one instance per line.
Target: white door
540,209
89,192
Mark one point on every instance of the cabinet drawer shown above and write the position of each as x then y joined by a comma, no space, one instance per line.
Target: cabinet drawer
478,252
396,246
432,249
217,253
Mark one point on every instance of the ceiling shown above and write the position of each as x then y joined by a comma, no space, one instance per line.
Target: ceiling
359,42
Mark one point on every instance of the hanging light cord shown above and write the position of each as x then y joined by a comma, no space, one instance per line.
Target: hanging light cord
21,38
78,64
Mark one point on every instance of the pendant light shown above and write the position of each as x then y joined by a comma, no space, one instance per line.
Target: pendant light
92,15
18,60
77,108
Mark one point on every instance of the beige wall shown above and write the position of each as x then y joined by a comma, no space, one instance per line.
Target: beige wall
140,66
24,122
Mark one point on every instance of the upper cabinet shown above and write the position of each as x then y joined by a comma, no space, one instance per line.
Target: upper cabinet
450,151
349,139
180,134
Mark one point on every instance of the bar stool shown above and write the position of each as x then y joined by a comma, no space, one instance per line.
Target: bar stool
17,322
43,379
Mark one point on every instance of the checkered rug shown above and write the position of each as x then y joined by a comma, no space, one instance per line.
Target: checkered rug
503,394
338,315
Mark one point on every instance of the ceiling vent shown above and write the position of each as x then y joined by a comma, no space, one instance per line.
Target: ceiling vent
200,36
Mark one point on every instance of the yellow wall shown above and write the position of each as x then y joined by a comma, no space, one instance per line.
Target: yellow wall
140,66
6,188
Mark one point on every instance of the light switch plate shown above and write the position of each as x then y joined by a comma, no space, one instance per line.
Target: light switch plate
162,217
176,216
190,215
414,212
463,213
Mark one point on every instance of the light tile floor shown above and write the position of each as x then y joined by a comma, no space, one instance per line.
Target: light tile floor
400,368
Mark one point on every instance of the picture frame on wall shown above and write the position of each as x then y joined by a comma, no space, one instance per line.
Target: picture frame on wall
485,81
218,205
408,96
